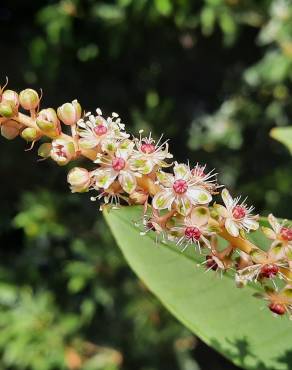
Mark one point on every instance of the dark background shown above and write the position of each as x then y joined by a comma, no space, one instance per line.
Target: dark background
214,76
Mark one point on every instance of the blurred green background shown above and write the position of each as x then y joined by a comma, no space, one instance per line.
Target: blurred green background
214,76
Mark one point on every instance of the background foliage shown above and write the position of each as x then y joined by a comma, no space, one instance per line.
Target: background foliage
215,77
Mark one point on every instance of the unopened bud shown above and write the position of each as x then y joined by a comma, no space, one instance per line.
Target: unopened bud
7,109
258,256
62,151
240,281
29,134
10,129
44,150
29,99
70,113
79,180
277,308
10,95
139,197
48,122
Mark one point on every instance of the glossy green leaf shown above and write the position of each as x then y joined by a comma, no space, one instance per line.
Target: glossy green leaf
284,135
227,318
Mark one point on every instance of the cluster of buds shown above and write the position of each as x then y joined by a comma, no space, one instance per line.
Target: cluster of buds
38,124
177,199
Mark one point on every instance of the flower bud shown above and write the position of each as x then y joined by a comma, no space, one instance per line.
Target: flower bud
62,151
12,96
29,99
44,150
10,129
139,197
70,113
48,122
79,180
7,109
277,308
240,281
29,134
258,256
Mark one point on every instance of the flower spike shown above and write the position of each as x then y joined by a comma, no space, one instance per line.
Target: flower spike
177,204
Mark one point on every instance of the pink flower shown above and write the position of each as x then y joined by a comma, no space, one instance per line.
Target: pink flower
279,302
206,179
263,265
180,191
116,165
281,234
194,229
237,216
148,154
96,130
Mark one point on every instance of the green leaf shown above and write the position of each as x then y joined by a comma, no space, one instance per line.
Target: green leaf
227,318
284,135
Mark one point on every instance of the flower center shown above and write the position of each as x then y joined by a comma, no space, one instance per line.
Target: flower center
238,212
118,164
150,226
286,233
210,263
192,233
147,148
100,130
269,271
180,186
277,308
60,151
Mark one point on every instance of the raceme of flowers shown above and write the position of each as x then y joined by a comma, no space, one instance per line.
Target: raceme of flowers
179,200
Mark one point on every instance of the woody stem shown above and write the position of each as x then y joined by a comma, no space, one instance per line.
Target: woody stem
243,244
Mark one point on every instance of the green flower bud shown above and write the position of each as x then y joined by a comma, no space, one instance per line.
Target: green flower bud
45,125
44,150
79,180
29,99
287,292
29,134
48,122
258,255
138,197
10,129
63,151
70,113
12,96
7,109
